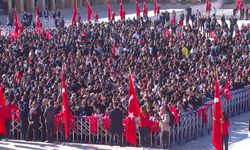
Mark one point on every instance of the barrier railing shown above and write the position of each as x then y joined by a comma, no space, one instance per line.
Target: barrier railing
191,124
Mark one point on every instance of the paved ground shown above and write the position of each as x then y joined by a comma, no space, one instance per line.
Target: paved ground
239,137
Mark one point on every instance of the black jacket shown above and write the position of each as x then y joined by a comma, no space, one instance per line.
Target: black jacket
116,121
49,114
34,115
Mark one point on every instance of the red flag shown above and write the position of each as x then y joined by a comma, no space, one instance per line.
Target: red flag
38,23
158,9
16,22
239,4
226,90
113,50
65,110
202,112
89,9
124,14
2,112
137,9
96,16
145,8
48,35
217,127
208,6
155,7
109,10
74,14
121,10
106,121
167,33
176,114
133,112
113,15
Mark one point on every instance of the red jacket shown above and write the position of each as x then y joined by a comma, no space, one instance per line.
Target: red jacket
225,127
144,120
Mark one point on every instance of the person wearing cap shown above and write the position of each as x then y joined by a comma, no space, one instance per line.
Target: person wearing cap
34,122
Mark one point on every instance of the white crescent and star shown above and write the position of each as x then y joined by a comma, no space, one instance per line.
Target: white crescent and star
130,98
226,91
63,90
216,100
131,115
63,109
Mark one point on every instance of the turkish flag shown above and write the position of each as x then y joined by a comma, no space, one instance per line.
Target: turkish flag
137,9
38,23
93,123
66,114
2,112
145,8
155,7
208,6
202,112
16,22
106,121
226,90
154,126
121,10
74,14
175,112
239,4
48,35
167,33
133,112
109,10
113,52
89,10
217,115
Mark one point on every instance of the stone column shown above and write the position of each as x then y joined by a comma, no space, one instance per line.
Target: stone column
30,5
20,6
60,4
41,4
53,4
9,7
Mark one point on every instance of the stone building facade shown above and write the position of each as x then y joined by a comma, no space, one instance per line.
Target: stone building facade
6,6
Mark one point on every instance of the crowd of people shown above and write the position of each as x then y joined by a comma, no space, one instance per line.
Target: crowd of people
173,64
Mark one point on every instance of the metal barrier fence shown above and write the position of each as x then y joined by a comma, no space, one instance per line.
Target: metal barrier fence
190,126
